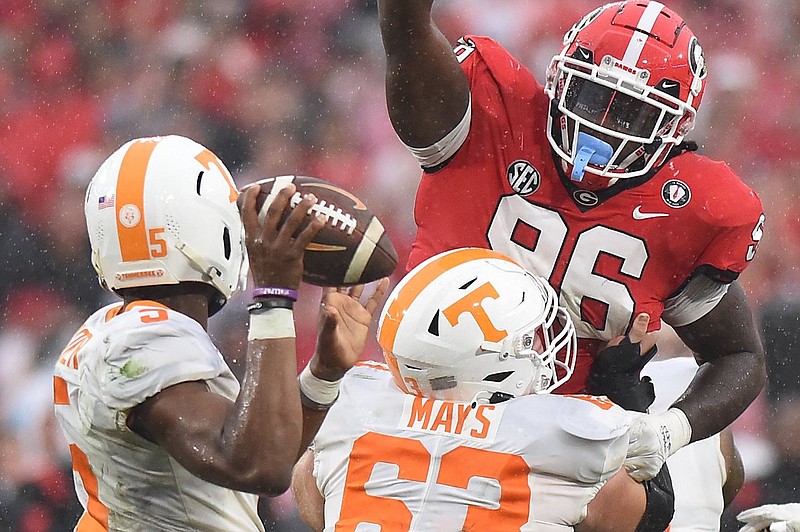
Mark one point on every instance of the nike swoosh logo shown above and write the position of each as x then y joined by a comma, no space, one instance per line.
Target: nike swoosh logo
669,84
639,215
358,204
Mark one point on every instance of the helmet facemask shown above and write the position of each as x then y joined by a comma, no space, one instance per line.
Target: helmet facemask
549,342
637,124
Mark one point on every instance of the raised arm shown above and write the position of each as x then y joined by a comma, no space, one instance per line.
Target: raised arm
426,91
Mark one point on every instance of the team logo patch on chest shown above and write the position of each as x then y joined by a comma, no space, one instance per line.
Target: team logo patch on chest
523,177
586,197
676,193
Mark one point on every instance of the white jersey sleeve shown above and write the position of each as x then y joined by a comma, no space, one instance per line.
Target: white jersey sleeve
140,359
386,458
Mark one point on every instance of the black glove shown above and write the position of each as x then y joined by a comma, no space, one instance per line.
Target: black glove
615,373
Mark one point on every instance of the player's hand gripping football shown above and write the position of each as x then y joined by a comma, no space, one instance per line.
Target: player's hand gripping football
343,328
616,369
772,517
275,250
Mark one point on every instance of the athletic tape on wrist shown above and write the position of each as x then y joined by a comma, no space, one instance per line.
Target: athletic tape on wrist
679,427
321,392
274,323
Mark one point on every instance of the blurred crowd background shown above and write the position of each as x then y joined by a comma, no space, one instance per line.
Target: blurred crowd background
296,87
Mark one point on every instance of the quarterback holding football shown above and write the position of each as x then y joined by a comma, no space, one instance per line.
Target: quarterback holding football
584,178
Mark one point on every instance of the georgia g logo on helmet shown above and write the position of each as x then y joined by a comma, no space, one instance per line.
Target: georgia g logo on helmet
697,64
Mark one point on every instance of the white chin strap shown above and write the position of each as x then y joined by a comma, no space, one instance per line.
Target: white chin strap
211,273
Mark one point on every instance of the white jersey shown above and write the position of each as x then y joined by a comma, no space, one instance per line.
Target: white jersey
698,469
124,482
388,459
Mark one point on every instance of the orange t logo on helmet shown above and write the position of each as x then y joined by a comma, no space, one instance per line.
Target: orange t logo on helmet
472,304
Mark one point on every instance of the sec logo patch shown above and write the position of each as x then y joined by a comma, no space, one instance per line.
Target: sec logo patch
676,193
523,177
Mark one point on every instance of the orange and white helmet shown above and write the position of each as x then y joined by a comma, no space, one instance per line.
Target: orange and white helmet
472,322
162,210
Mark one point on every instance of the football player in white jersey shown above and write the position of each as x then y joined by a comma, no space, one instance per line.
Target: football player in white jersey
706,474
161,433
772,518
458,431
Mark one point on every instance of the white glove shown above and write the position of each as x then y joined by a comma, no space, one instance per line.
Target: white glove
652,439
772,517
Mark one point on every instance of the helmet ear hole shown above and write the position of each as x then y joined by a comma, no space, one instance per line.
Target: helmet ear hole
499,376
226,242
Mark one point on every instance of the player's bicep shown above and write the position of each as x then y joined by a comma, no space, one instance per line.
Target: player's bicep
727,329
618,506
426,90
185,420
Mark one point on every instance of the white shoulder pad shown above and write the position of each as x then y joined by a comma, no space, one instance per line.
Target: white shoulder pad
141,359
593,418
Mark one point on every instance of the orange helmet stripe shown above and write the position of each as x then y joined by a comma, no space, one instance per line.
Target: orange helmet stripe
131,228
419,280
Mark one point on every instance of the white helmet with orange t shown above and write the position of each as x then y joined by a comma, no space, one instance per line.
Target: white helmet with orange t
161,211
472,321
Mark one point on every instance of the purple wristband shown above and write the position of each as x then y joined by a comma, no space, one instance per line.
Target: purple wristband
275,291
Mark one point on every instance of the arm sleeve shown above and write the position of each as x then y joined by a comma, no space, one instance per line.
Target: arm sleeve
700,295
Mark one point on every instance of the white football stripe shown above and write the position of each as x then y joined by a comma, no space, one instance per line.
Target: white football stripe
280,183
362,255
646,24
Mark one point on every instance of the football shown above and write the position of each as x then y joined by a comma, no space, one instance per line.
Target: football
352,248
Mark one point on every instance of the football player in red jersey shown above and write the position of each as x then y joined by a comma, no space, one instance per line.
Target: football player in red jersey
587,181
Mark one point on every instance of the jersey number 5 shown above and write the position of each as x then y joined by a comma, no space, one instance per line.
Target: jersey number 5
455,469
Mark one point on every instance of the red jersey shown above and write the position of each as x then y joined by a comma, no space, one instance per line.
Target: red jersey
611,254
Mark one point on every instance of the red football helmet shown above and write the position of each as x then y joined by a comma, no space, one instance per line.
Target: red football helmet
624,89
